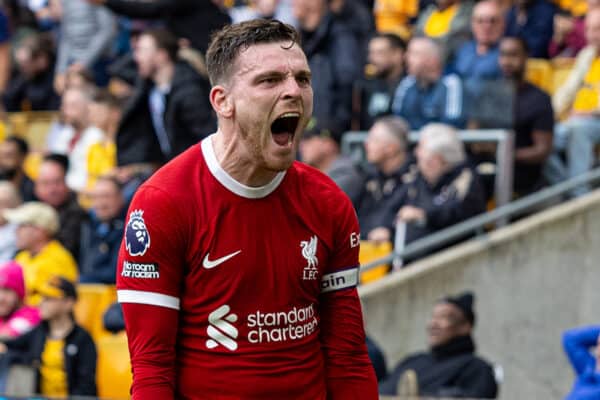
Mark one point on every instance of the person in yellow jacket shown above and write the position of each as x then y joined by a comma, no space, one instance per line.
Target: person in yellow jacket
41,256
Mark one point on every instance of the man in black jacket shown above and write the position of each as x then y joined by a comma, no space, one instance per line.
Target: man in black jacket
169,110
450,368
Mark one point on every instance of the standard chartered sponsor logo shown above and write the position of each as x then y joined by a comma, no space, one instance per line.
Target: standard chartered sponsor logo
282,326
220,331
140,270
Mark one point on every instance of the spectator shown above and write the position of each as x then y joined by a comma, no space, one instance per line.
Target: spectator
41,256
62,352
578,98
320,148
533,21
280,10
113,318
101,235
16,318
387,151
425,96
169,111
395,16
447,22
192,20
478,58
377,359
86,35
51,188
9,198
331,49
533,119
13,151
450,368
373,95
4,50
577,344
77,135
359,19
568,37
32,88
444,191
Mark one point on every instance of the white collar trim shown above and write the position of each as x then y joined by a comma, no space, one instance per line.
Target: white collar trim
231,184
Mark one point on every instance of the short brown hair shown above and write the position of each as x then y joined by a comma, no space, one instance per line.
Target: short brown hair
164,40
227,43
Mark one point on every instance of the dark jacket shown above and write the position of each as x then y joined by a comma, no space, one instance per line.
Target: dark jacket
449,370
332,52
99,249
377,359
79,352
71,216
194,20
188,118
36,94
537,29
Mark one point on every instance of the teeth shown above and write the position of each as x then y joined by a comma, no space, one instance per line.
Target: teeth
290,114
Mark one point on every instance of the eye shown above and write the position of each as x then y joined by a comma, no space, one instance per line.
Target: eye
303,80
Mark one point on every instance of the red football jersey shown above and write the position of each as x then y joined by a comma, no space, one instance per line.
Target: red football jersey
237,292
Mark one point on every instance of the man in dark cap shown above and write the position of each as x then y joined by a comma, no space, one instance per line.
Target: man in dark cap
450,368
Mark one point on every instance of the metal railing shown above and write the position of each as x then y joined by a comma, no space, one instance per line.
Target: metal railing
478,223
352,145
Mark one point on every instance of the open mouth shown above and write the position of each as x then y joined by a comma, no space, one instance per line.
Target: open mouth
284,128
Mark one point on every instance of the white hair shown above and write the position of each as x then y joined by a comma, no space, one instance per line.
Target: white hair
443,140
9,193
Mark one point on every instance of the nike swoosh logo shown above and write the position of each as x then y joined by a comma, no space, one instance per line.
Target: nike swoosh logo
208,264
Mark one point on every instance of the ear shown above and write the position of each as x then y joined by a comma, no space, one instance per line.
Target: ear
221,101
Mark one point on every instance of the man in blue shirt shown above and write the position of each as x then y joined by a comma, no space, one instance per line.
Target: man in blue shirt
425,96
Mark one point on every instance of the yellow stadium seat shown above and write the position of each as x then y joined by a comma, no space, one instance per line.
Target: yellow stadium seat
92,302
370,251
33,126
114,367
539,72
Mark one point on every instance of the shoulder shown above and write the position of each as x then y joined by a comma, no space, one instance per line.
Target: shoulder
451,81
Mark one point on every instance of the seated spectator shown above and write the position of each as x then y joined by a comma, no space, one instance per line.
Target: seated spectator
568,37
332,52
533,21
447,22
586,365
51,188
450,368
77,136
9,198
425,96
62,352
443,192
478,58
41,256
377,359
16,318
32,88
578,98
101,235
387,152
373,94
13,151
320,148
169,110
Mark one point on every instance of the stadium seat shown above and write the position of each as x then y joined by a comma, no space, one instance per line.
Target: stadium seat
33,126
92,302
370,251
114,367
539,72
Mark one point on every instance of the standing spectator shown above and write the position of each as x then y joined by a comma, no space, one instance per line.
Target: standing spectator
101,235
32,88
86,35
9,198
13,151
169,110
52,189
533,21
16,318
447,22
450,368
478,58
77,135
425,96
332,51
62,352
577,344
194,20
373,95
533,119
41,256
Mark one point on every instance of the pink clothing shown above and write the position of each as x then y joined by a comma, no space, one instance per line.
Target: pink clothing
574,42
20,322
11,277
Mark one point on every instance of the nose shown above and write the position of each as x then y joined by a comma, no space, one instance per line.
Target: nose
291,89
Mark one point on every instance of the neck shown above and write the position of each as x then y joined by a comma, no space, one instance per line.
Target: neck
394,74
483,48
60,326
164,75
37,247
325,164
392,164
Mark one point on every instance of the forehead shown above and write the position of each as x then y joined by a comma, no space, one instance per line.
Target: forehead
486,8
265,57
446,310
511,46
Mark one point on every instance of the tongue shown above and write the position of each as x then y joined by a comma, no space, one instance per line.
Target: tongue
282,138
